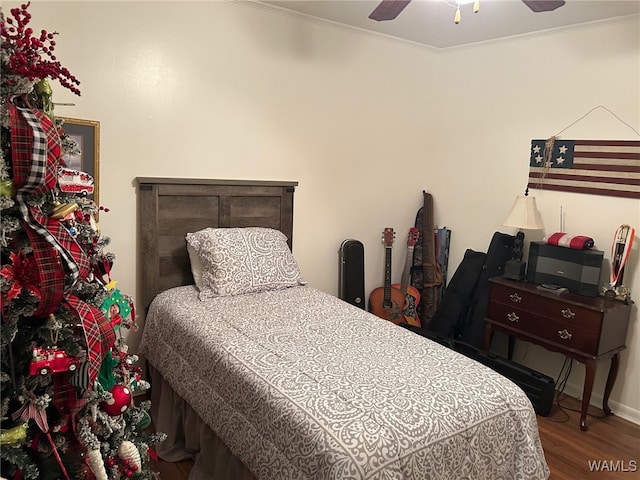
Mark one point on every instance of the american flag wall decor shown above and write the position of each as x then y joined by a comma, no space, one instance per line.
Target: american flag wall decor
598,167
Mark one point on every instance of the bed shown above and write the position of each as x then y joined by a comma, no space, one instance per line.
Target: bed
285,381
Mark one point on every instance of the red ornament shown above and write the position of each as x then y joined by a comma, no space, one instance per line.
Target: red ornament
120,402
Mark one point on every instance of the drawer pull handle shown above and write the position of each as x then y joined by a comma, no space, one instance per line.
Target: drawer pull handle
564,334
512,317
567,313
515,298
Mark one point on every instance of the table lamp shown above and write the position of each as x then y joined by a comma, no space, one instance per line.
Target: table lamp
523,215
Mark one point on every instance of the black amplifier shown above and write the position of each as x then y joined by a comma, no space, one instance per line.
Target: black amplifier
576,270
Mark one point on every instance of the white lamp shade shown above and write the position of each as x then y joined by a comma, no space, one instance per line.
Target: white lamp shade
524,214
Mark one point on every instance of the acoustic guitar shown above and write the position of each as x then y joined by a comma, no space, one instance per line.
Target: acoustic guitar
411,294
387,302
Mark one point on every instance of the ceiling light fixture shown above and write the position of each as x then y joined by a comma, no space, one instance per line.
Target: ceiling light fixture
476,8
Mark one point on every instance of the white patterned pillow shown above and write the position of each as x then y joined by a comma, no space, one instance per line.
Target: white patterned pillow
196,266
243,260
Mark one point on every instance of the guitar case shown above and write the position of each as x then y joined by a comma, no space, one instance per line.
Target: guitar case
460,314
458,296
430,261
500,250
351,272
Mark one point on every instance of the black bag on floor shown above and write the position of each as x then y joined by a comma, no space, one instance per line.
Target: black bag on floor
500,250
460,315
458,296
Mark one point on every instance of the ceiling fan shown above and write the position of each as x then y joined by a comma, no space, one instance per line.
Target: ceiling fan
390,9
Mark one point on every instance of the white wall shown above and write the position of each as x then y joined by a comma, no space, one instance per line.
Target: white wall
504,94
364,123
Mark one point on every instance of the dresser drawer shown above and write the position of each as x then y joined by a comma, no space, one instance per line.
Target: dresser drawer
550,306
514,318
560,333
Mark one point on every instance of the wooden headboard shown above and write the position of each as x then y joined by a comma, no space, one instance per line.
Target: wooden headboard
169,208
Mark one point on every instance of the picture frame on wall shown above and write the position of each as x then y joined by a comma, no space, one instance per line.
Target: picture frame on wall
86,133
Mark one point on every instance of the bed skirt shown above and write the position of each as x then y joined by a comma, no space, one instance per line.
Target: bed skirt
188,437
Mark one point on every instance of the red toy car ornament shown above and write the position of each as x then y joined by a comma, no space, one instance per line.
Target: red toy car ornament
51,360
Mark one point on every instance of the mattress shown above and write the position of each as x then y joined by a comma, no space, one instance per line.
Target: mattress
302,385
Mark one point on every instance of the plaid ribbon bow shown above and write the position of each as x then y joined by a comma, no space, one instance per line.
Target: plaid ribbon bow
35,146
99,333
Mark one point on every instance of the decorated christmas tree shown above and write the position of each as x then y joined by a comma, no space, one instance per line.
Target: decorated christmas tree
67,379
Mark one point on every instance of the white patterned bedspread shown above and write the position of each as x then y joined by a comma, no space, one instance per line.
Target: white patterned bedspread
301,385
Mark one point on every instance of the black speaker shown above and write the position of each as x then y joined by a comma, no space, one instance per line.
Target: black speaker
351,272
576,270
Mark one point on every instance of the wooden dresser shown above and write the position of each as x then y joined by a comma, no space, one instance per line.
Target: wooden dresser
583,328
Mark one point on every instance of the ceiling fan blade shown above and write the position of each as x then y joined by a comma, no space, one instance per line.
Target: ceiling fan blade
543,5
388,9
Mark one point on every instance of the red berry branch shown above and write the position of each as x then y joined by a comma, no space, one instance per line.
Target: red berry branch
32,56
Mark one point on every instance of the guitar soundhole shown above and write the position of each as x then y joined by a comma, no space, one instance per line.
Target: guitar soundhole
387,303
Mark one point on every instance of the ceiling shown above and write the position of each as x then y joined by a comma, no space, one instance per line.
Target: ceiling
430,22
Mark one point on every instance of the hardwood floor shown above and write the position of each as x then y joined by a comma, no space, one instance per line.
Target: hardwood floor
568,450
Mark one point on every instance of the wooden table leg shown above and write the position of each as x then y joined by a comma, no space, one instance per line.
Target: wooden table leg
589,376
611,379
511,347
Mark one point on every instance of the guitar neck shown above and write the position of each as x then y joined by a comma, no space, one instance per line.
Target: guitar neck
404,282
387,273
